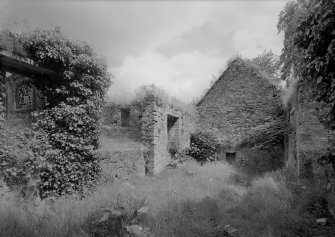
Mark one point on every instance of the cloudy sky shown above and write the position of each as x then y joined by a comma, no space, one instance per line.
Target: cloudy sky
177,45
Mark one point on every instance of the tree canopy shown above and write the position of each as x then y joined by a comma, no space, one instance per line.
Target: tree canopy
309,46
268,62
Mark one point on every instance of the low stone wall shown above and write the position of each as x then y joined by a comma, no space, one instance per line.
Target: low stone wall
121,165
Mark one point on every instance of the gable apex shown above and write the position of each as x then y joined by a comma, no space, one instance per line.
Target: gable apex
236,62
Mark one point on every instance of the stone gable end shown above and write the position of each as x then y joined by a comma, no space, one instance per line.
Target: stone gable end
240,99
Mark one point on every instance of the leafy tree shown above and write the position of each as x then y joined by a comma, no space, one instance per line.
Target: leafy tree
309,46
269,63
289,19
74,97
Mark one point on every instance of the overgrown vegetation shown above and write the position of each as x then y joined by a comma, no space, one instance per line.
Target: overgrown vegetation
160,95
23,155
309,46
308,55
191,201
268,63
204,146
70,121
269,135
74,98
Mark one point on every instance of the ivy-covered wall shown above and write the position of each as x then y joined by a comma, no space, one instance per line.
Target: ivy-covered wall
20,95
309,144
309,139
240,100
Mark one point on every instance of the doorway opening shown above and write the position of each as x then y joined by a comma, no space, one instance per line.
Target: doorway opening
125,117
173,134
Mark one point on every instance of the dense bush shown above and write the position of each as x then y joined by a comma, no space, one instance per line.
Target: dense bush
203,146
70,122
180,157
23,154
27,154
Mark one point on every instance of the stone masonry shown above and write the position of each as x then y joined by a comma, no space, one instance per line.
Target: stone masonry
309,138
239,101
159,126
308,141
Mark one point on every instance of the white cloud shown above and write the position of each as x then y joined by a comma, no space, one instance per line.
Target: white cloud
184,76
176,45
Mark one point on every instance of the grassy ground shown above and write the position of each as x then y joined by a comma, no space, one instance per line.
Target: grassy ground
190,201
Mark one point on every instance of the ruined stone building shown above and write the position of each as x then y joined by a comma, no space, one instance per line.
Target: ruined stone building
161,127
22,97
240,101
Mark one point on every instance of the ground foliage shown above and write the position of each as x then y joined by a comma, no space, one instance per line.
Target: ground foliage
74,97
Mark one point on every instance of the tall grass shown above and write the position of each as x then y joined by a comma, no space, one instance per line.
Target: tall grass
192,201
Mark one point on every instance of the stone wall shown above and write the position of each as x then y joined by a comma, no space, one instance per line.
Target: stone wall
113,122
149,123
308,141
160,135
309,138
241,99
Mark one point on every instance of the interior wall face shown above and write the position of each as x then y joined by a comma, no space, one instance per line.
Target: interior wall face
161,139
308,141
311,137
164,134
123,122
173,132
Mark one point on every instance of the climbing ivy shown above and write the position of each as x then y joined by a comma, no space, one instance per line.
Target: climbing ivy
74,96
309,46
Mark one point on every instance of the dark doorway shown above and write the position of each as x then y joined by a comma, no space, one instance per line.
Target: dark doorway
171,120
173,134
230,156
125,117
